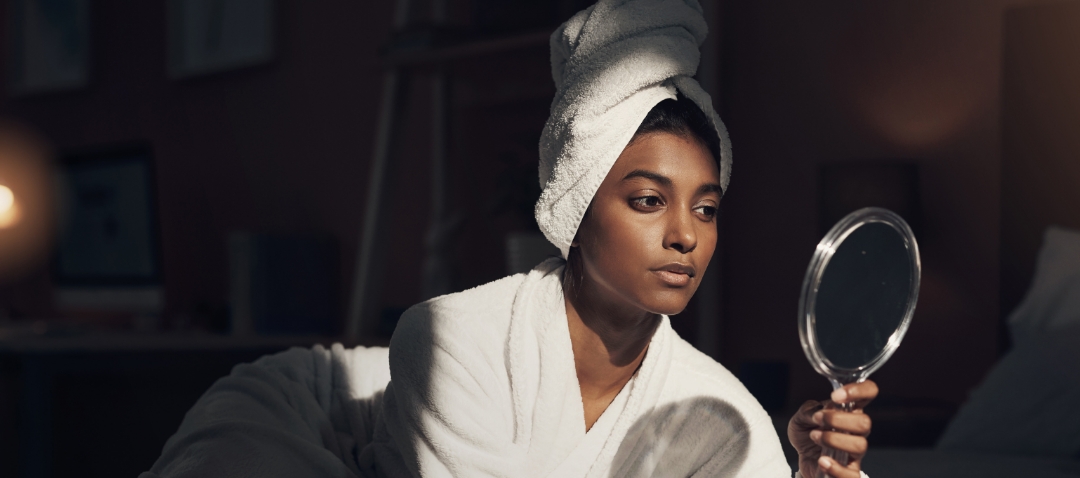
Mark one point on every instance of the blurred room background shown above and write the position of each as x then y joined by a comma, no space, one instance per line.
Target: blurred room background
201,182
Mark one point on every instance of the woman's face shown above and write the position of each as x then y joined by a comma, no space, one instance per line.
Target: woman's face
651,228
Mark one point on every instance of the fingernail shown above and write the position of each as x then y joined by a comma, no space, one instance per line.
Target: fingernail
818,418
824,463
815,435
840,396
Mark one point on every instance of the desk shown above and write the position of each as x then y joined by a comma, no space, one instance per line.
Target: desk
104,404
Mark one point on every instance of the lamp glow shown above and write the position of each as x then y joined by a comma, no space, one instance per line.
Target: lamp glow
9,212
7,199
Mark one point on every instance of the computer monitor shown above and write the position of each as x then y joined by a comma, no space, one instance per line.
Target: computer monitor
108,245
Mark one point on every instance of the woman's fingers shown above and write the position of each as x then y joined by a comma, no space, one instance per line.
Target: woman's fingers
848,422
861,393
846,431
803,419
834,469
855,445
799,430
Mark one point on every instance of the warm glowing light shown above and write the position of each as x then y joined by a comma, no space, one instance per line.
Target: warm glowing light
7,199
9,211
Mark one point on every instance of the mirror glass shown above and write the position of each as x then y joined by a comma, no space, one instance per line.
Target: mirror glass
863,295
859,294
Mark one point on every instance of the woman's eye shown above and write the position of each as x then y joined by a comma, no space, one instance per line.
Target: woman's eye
707,211
646,201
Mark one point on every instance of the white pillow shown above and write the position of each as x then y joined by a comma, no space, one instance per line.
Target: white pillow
1053,301
1029,403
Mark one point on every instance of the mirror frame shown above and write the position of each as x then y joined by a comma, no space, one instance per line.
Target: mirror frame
812,281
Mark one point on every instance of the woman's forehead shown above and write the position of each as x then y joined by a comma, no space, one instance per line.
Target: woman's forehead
676,157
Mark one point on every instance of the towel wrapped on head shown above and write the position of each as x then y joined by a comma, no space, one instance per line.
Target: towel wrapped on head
612,63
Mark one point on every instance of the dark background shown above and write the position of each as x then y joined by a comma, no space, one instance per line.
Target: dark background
286,147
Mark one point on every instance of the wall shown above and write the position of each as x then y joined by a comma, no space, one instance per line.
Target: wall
278,147
286,146
808,83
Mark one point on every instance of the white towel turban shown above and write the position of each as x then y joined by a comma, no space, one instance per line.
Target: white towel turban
612,63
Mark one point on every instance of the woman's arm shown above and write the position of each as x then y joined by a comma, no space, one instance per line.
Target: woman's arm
821,423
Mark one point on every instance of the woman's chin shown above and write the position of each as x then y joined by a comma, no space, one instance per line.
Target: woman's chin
670,312
667,304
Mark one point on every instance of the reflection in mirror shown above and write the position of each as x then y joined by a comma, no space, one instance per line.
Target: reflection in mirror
863,295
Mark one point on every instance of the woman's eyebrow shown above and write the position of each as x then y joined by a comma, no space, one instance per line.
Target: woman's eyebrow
641,173
666,181
711,188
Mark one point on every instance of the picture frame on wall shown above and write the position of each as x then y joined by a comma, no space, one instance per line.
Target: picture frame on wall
48,45
210,36
108,249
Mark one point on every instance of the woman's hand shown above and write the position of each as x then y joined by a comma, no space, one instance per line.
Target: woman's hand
823,423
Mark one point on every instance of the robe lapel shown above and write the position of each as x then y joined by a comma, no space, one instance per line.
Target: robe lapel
645,393
548,418
549,422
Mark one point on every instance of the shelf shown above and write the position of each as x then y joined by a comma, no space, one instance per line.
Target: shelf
154,342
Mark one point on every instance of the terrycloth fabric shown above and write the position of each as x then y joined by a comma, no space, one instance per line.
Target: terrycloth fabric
304,412
484,384
612,63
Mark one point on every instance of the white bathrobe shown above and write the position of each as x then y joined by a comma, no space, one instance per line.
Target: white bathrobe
482,383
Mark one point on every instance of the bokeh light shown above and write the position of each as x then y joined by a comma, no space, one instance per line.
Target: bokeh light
9,211
27,217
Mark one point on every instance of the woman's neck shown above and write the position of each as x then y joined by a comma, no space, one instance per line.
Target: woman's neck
609,340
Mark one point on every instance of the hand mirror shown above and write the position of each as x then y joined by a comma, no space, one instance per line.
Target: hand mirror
858,297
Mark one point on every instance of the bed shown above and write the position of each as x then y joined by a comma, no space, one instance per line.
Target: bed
925,463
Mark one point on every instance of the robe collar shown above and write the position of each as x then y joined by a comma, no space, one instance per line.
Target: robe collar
549,420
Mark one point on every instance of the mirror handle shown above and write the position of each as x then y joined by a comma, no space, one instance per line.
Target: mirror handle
840,457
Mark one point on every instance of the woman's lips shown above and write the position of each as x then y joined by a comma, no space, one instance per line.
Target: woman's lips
673,279
675,275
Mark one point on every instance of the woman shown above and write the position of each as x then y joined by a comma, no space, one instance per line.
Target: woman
571,369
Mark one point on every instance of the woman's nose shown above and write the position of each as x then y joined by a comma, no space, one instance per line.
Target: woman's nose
681,235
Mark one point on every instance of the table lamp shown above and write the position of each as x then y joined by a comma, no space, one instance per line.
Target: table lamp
26,200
